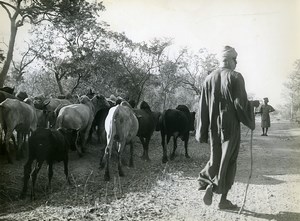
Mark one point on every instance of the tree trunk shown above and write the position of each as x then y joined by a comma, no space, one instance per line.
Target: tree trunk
164,100
58,81
13,34
77,83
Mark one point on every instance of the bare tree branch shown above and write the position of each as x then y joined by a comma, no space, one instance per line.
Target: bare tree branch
77,83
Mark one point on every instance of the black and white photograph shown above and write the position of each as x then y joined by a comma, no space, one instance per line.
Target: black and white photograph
150,110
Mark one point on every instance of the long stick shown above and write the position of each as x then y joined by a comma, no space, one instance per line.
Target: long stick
250,174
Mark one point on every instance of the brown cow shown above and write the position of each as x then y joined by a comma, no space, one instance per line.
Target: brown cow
79,117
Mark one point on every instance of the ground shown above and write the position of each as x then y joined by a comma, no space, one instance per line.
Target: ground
156,191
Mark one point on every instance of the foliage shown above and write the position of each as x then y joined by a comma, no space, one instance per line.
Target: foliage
140,62
68,50
20,67
73,51
194,67
292,87
59,12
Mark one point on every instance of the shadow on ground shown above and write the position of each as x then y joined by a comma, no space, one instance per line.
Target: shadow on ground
281,216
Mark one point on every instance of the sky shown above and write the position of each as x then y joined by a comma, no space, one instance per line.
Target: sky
265,33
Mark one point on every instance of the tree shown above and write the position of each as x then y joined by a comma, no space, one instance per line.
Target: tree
169,81
194,67
20,67
2,58
139,61
67,48
293,89
35,11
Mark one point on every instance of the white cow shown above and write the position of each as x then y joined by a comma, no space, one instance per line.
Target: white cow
121,126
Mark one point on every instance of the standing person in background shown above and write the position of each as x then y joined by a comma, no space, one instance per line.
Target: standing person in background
223,105
264,110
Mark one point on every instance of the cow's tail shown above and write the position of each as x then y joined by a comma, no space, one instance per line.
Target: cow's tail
111,133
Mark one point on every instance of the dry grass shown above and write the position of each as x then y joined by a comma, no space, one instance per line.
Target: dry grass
88,189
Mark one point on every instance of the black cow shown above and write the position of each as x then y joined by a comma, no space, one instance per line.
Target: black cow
9,90
98,126
98,123
148,121
4,95
50,146
177,123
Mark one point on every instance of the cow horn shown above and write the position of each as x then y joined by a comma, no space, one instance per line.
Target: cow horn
46,103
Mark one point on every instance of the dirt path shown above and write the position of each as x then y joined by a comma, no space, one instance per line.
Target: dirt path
154,191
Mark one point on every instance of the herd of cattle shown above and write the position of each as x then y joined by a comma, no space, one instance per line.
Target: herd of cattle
53,126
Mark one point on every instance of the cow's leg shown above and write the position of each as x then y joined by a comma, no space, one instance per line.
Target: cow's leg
20,140
66,170
146,149
14,141
1,140
76,144
107,158
24,146
102,155
98,133
143,144
27,171
186,141
174,148
1,135
37,168
131,155
121,146
89,139
102,136
165,154
84,139
50,174
8,135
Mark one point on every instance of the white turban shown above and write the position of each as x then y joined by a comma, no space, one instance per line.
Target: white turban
228,52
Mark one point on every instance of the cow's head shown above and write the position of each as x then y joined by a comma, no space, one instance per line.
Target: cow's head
9,90
100,102
144,106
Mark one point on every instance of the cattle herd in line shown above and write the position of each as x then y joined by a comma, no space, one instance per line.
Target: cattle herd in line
53,126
